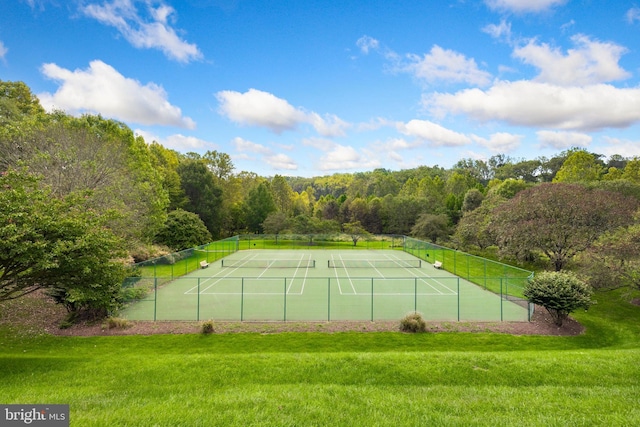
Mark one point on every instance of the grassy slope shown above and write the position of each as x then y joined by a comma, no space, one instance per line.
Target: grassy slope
341,379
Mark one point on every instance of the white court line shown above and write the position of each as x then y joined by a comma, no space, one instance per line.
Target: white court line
228,272
295,274
335,270
427,276
346,270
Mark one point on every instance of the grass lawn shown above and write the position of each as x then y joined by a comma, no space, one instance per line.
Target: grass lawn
351,379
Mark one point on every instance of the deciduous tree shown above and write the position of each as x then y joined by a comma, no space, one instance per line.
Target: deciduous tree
51,243
559,220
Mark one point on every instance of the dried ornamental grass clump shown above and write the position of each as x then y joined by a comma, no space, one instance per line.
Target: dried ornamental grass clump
413,322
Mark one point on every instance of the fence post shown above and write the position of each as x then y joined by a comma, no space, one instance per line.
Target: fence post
372,299
328,299
501,303
415,294
155,299
458,299
242,300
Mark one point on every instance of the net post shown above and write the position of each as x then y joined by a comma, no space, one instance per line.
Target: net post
285,299
198,307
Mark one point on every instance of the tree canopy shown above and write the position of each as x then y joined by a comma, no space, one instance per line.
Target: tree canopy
560,220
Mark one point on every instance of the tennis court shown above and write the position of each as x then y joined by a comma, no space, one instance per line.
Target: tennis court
321,285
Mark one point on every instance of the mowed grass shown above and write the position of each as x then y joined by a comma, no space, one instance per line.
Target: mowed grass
351,379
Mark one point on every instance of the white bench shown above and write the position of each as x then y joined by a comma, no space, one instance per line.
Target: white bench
437,264
204,264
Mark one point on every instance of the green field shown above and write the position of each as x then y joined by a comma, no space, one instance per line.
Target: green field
354,379
300,285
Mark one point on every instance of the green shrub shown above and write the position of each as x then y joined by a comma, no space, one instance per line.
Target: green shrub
413,322
207,328
560,293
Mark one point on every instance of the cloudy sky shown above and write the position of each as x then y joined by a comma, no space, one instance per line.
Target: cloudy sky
316,87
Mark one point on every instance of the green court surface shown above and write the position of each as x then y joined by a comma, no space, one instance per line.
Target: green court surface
321,285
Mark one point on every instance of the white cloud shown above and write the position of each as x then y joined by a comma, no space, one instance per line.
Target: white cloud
244,145
434,133
321,144
277,161
589,63
153,31
500,142
445,65
375,124
563,140
3,50
633,15
259,108
623,147
178,142
330,125
526,103
343,157
366,43
501,31
523,6
103,90
281,162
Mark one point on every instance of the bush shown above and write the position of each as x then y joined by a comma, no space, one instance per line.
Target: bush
413,322
117,323
207,328
560,293
183,230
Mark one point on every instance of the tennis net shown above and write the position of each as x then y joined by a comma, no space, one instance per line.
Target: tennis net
269,263
362,263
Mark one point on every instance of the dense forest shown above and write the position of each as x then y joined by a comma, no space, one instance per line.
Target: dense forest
85,194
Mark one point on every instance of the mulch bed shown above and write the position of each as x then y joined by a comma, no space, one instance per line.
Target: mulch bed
36,314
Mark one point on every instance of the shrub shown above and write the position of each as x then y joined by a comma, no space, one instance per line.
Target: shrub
117,323
206,327
413,322
183,230
560,293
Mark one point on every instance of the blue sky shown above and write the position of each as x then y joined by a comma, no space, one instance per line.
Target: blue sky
309,88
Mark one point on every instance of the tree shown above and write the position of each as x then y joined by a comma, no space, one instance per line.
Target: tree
559,220
275,223
474,228
432,227
203,193
560,293
92,153
282,194
183,230
472,200
17,101
614,260
59,244
220,164
580,166
258,205
310,226
355,230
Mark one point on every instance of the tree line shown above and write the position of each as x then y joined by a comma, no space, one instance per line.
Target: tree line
85,194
